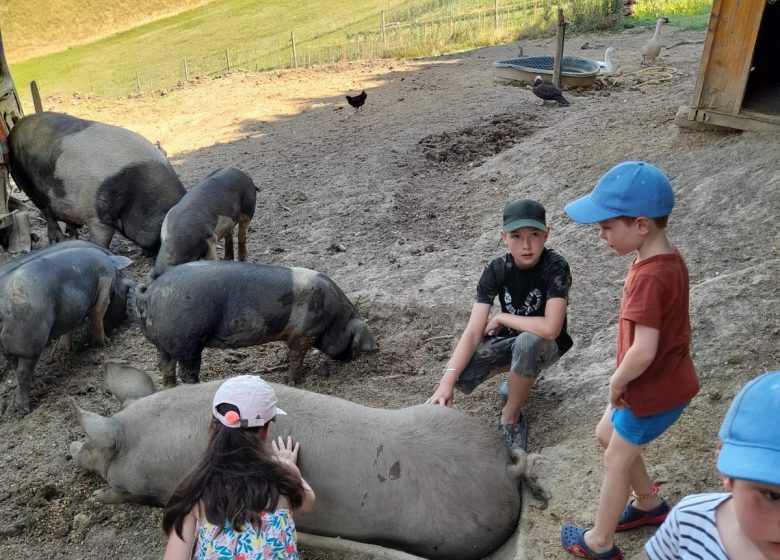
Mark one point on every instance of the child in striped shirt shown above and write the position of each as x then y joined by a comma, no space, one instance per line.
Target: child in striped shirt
744,522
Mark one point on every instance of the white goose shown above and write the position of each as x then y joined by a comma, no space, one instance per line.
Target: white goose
605,67
653,47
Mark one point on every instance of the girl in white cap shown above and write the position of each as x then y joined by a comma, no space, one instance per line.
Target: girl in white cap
238,500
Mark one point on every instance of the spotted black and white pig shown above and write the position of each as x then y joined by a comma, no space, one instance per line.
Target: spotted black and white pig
48,293
88,173
425,479
207,213
207,304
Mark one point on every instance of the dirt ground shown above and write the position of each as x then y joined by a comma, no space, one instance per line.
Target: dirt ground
401,204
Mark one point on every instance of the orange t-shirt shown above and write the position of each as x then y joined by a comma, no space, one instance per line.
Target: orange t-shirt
656,295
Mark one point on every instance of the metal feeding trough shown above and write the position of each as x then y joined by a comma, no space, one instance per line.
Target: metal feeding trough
576,71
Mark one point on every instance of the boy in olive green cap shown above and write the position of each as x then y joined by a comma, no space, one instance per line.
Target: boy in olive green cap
529,334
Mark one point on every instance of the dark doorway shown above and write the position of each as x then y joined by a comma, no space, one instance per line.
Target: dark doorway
762,94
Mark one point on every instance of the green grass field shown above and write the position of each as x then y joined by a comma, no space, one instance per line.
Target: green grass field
256,35
34,27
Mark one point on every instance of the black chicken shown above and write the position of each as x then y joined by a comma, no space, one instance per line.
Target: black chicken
546,91
357,101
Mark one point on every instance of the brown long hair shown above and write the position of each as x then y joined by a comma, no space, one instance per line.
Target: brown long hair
237,478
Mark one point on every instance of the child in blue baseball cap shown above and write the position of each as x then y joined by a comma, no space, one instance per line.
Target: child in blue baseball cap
654,379
744,522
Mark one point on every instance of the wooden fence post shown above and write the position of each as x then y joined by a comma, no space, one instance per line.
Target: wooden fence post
384,37
561,31
294,52
227,60
36,97
617,10
137,82
186,71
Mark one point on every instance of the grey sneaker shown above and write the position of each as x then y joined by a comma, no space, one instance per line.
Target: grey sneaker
514,435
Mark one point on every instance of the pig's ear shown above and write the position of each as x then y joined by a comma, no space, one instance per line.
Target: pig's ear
104,432
127,383
121,262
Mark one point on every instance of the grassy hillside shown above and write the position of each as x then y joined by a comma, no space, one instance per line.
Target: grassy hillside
257,35
34,27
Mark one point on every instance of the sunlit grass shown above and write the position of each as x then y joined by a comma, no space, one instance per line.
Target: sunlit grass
257,35
684,23
685,14
34,27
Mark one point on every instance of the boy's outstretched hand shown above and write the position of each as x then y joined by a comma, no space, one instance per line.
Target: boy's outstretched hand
442,396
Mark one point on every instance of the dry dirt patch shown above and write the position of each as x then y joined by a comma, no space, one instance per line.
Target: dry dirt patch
475,143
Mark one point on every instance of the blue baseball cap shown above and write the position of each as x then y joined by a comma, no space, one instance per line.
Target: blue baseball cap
631,188
751,432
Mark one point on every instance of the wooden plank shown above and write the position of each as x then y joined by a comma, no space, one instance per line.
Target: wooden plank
754,123
705,55
728,53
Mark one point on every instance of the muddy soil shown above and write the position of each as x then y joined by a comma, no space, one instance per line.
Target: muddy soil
401,204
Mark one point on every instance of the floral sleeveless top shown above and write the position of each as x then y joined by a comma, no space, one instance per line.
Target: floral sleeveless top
276,540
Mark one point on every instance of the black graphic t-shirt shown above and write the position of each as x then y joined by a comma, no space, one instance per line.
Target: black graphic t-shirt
526,291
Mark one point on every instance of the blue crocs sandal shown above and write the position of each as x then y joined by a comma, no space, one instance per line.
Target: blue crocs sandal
633,517
515,435
573,541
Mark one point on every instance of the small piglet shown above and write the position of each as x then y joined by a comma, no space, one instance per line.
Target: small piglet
48,293
233,304
207,213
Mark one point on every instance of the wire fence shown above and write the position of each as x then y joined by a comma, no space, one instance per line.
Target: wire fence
415,28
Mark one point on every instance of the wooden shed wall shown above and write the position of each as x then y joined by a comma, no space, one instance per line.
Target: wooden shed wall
726,66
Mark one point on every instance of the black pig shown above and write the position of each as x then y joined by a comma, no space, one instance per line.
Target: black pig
207,213
48,293
233,304
88,173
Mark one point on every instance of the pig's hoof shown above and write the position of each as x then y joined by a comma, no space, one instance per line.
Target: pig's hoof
169,381
110,496
20,411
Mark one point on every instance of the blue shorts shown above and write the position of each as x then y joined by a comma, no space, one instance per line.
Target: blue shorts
643,430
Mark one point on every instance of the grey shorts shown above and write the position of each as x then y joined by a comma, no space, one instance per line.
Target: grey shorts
526,353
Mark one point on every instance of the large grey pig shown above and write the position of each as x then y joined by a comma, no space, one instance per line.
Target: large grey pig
207,213
207,304
425,479
88,173
47,294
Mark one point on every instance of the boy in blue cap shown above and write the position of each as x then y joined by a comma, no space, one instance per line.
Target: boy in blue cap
743,523
655,378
